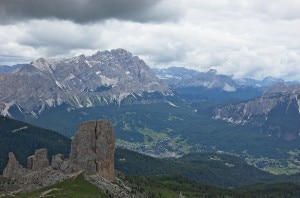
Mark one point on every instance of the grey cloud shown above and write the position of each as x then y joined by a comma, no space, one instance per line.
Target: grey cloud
83,11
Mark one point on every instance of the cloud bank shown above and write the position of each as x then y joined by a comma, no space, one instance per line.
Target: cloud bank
255,38
82,11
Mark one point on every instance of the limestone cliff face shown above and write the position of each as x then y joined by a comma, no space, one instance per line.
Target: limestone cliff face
93,148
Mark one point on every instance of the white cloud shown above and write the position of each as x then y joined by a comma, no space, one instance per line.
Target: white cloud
254,38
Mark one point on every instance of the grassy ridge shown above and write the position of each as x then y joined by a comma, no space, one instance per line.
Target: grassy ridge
76,187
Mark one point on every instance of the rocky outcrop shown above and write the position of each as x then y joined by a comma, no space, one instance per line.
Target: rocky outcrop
39,160
92,152
93,147
13,168
57,161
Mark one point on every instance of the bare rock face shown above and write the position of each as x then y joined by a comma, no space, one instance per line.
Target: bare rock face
39,160
13,168
57,161
126,74
93,148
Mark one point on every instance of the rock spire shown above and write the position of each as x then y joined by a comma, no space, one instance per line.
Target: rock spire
93,148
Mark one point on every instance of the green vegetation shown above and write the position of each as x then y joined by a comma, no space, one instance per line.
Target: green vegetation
284,190
157,187
198,132
76,187
23,139
180,130
172,186
151,137
276,166
209,168
206,174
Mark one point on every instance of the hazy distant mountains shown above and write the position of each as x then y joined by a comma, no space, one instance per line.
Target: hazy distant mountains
276,112
181,77
103,78
178,77
4,69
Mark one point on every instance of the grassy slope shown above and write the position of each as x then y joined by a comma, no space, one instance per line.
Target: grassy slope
76,187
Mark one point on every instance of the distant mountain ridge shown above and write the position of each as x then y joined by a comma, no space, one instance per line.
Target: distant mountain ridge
276,112
178,77
82,81
4,69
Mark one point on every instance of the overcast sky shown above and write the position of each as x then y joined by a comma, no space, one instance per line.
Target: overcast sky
246,38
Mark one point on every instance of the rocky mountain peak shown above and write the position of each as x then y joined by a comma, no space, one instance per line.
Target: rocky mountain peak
82,81
120,54
82,57
42,65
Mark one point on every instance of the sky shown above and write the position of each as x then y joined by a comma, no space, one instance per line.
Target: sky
243,38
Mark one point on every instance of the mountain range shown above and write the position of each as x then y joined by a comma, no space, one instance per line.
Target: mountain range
159,112
108,77
103,78
177,77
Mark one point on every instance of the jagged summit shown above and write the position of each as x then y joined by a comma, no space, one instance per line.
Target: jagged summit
82,81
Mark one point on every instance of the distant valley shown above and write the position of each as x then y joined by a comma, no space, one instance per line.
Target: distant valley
194,174
160,112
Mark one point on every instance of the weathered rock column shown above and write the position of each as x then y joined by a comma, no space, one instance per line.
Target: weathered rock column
39,160
13,168
93,148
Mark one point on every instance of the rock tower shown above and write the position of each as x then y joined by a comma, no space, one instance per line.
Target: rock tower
93,148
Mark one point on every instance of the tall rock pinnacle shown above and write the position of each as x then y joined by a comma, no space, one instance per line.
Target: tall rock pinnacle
13,169
93,148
